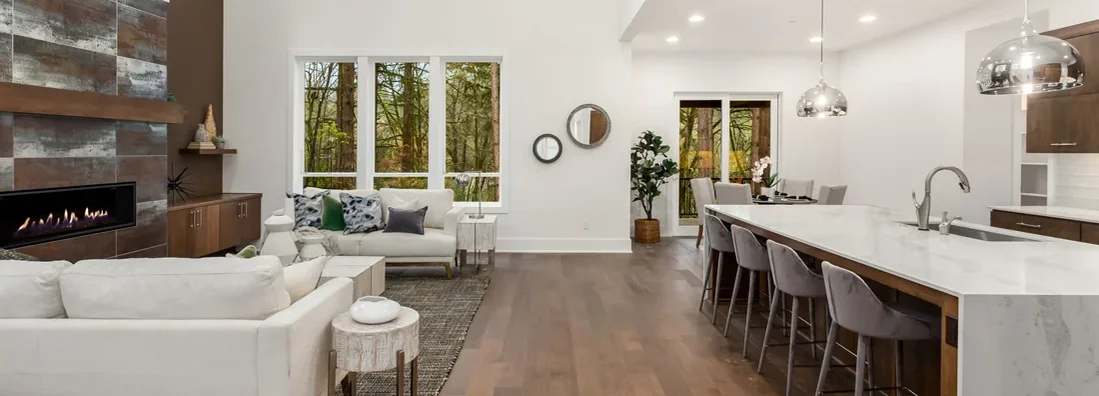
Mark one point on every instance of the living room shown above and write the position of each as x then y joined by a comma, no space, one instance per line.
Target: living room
494,197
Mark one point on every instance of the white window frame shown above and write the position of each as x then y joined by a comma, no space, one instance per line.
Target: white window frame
365,166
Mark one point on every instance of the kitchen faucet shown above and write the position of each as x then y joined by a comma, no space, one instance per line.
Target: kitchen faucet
923,209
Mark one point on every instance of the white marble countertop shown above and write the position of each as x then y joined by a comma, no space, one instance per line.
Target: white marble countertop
1060,212
952,264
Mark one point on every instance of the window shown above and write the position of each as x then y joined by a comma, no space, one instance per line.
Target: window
434,118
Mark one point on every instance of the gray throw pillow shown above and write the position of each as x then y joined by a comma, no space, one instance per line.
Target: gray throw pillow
407,221
362,214
307,210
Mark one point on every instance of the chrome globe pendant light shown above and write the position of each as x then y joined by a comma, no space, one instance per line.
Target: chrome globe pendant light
822,100
1031,63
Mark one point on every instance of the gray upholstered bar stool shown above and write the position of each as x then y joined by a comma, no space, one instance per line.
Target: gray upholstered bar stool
854,307
793,278
751,257
718,238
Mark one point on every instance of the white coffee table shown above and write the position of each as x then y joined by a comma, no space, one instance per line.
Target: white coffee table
367,272
477,235
362,348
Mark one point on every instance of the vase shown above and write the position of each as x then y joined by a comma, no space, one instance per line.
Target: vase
646,231
200,134
220,144
767,191
374,310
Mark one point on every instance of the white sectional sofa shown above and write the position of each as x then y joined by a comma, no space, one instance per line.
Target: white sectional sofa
218,326
437,247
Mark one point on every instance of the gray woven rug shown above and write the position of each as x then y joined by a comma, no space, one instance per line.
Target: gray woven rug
446,308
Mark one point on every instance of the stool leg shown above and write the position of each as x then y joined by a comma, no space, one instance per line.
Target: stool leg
705,283
860,364
736,287
829,346
767,330
898,366
717,284
415,376
813,326
793,342
752,276
400,373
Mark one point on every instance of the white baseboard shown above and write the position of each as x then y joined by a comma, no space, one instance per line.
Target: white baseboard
564,245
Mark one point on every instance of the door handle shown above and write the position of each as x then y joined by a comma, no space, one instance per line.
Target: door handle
1063,144
199,216
192,225
1036,226
245,209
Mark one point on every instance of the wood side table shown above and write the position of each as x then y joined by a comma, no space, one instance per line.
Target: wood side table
477,235
362,348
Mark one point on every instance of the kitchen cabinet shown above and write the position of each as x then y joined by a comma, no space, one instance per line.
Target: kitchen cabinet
1047,226
205,225
1066,121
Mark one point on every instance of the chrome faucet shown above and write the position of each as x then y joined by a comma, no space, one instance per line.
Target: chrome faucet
944,225
923,209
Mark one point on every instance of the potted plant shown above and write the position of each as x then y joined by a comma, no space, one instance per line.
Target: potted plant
650,169
765,181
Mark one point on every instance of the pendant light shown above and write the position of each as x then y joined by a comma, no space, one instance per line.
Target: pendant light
822,100
1031,63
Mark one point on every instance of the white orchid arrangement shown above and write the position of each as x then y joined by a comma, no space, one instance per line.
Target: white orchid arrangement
759,169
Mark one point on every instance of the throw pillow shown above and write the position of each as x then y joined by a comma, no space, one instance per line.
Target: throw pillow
332,219
397,202
246,253
307,210
407,221
362,214
302,278
16,256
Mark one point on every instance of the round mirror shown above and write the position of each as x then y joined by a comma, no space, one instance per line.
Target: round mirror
589,125
547,148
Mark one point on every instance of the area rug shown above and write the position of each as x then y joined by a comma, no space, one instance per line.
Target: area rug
446,308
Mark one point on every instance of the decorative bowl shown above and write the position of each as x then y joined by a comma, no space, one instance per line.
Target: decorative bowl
374,310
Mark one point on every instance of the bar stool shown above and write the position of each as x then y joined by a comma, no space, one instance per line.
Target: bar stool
717,238
793,278
853,306
751,257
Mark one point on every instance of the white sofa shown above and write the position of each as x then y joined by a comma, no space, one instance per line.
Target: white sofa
282,354
437,247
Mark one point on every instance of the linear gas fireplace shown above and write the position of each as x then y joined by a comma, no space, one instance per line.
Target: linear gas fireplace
35,216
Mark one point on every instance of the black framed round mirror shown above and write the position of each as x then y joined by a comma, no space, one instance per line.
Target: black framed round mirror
547,148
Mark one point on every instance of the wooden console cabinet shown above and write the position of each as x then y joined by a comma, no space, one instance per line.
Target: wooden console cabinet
205,225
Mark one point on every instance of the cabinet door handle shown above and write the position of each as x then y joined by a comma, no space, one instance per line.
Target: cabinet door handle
192,225
199,218
1036,226
245,209
1063,144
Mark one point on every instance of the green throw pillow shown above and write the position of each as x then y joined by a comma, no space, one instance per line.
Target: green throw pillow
16,256
246,253
332,216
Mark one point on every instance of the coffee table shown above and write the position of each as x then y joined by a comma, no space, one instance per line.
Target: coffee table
368,273
361,348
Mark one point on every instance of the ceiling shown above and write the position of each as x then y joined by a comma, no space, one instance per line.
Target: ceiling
778,25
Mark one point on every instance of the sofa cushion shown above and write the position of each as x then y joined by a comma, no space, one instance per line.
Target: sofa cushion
409,221
307,210
302,278
175,288
30,289
361,214
434,243
332,217
438,203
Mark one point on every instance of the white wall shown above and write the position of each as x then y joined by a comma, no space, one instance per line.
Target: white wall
559,54
810,147
907,105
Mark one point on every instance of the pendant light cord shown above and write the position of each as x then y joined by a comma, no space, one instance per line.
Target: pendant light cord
822,40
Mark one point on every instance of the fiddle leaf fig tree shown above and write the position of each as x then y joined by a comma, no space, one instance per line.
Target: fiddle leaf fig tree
650,169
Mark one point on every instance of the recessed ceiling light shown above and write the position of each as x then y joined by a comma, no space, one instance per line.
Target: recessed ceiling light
816,39
696,18
672,39
868,18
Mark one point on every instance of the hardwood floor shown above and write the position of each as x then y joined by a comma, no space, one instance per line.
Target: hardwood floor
610,324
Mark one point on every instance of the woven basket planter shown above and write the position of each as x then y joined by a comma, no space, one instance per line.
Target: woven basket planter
646,231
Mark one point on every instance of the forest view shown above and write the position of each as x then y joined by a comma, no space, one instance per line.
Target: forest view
402,139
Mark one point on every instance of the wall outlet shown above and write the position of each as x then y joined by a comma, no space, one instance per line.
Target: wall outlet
586,224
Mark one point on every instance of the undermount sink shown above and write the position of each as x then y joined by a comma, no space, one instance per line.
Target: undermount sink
973,233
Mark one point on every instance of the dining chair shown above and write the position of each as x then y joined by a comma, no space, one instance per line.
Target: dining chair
797,188
703,190
733,194
831,195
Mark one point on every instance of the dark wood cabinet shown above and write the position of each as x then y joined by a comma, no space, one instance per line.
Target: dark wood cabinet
206,225
1047,226
1066,121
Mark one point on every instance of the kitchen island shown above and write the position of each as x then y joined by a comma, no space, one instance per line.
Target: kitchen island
1019,317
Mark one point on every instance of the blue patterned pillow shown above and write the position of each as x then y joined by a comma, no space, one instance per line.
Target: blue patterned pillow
362,214
307,210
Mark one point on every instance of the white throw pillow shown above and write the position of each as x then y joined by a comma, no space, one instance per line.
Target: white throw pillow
175,288
302,278
31,289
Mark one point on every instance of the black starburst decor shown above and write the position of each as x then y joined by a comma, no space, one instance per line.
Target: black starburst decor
177,187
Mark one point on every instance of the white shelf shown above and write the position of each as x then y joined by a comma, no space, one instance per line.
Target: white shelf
1033,195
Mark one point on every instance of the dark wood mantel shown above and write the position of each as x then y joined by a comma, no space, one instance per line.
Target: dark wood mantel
29,99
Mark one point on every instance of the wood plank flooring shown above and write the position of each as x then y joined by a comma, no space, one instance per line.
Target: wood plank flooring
610,324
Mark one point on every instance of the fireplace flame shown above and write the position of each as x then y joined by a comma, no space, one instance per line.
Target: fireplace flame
66,220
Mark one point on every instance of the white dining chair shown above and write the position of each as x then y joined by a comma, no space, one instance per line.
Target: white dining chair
831,195
703,190
733,194
797,188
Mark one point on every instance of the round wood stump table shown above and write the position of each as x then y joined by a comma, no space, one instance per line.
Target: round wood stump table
363,348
